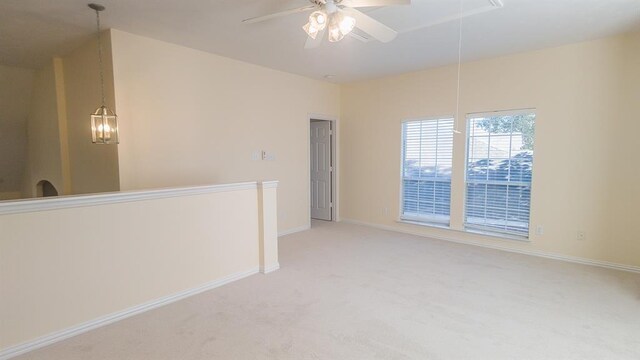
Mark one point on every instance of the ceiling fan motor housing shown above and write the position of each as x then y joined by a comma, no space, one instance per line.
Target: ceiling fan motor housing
322,2
330,7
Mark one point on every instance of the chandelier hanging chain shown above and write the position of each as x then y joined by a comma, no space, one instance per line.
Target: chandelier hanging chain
100,55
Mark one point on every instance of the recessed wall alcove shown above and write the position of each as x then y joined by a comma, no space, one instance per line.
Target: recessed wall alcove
46,189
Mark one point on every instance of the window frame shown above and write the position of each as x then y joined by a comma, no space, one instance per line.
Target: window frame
433,221
488,232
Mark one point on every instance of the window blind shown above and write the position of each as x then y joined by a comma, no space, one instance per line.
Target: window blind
498,176
427,152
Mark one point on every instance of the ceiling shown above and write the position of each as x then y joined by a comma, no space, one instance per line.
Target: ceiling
32,31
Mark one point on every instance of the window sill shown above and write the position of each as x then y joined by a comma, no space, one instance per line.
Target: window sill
466,231
425,224
498,235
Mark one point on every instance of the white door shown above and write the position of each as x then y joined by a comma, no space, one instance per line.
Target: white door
321,170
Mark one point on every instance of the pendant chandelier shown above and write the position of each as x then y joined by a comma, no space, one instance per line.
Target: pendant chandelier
104,122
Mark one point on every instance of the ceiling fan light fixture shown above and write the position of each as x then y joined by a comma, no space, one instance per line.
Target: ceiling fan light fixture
318,19
347,24
340,25
311,30
339,18
335,34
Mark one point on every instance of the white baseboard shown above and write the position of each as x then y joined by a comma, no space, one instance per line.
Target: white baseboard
270,268
120,315
544,254
294,230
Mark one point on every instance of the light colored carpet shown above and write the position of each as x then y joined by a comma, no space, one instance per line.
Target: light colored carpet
352,292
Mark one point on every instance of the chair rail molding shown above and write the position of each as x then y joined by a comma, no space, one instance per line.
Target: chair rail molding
72,201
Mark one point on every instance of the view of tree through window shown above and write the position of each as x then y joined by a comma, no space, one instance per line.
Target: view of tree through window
427,154
498,180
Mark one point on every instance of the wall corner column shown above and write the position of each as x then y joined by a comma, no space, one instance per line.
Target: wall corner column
268,226
63,132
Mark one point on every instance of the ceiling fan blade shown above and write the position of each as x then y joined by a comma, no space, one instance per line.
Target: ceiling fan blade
367,3
314,43
279,14
371,26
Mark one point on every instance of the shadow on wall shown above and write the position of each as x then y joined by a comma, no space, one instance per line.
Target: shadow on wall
46,189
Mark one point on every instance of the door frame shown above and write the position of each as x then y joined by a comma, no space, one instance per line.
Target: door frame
335,148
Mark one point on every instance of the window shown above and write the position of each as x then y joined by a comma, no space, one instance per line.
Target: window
498,177
427,151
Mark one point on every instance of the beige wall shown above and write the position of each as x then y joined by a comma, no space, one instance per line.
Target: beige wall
624,190
59,143
44,160
586,137
16,85
93,168
62,267
189,117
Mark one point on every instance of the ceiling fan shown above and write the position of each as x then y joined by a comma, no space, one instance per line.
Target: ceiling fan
338,18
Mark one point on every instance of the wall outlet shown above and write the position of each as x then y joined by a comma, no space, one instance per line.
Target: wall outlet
262,155
268,156
581,236
385,211
539,230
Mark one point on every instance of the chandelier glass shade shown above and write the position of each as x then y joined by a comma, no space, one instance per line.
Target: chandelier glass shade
104,126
